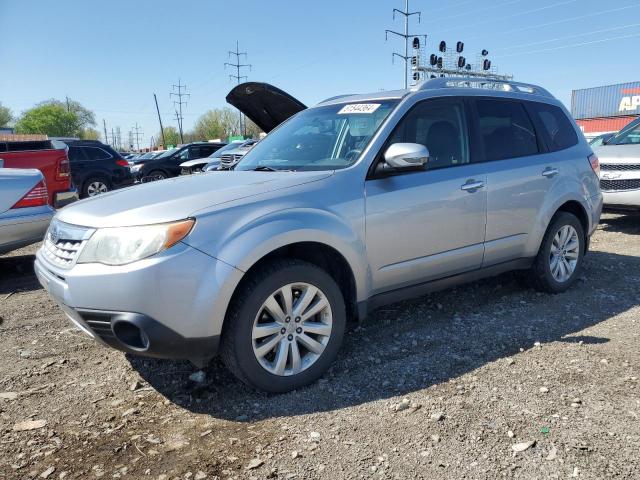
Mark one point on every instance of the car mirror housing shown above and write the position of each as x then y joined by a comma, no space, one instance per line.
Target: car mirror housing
406,155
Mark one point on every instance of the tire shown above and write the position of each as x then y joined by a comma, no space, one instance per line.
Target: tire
542,276
158,175
241,352
94,186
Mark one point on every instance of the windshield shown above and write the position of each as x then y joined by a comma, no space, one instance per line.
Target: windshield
321,138
628,135
167,153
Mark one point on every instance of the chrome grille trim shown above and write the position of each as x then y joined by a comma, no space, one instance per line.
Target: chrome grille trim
63,243
620,166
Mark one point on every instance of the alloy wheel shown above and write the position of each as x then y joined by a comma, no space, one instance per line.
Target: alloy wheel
96,188
565,252
292,329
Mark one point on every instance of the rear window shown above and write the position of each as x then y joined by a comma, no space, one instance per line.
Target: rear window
506,130
25,146
559,130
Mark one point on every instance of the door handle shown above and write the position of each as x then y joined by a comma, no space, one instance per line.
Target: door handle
472,185
549,172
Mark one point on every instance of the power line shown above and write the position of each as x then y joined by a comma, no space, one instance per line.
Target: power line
561,47
577,35
238,77
405,36
179,94
556,22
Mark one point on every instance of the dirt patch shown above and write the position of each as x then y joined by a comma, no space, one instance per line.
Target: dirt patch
499,381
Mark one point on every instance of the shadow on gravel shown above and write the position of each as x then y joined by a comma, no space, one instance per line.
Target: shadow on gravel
627,223
415,344
17,275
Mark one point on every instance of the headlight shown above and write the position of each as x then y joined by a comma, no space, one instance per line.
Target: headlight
122,245
135,168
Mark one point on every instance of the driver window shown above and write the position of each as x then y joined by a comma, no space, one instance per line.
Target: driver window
440,126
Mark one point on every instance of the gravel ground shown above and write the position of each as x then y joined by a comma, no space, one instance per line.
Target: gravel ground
485,381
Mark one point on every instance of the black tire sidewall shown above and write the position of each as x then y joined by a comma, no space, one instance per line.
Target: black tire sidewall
90,180
242,346
562,219
159,173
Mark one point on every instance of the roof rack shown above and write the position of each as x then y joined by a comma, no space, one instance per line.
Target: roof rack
489,84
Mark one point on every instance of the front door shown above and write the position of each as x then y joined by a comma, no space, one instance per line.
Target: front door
427,224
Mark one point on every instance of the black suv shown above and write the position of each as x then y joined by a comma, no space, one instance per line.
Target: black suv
168,164
97,168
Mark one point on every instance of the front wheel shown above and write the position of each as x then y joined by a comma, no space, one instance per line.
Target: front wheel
285,326
559,259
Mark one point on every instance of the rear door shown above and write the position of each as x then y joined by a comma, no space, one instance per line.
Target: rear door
520,174
426,224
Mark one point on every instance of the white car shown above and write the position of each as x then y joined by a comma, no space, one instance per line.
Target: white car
620,169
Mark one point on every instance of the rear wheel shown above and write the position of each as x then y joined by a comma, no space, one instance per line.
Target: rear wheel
285,326
95,186
158,175
559,259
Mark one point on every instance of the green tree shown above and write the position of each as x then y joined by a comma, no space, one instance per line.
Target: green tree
86,117
5,116
216,123
171,136
90,134
49,119
251,129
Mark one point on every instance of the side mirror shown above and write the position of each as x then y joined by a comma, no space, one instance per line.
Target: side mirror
406,155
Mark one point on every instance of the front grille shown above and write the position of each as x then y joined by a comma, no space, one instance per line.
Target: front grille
185,171
62,243
62,253
624,167
229,160
609,185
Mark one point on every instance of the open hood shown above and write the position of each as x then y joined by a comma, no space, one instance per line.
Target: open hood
267,106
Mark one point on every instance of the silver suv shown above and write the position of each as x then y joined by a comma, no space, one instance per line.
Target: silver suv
354,203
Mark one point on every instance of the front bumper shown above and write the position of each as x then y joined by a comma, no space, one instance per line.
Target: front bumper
627,199
171,305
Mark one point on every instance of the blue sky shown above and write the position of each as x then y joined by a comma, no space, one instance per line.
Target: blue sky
112,56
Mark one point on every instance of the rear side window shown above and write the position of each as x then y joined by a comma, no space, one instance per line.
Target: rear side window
76,154
506,130
559,130
95,153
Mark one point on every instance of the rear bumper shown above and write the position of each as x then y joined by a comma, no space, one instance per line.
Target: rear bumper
24,228
61,199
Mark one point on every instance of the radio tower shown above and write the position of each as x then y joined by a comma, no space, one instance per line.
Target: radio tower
237,65
406,13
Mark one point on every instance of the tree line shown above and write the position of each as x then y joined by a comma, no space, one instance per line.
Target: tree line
69,118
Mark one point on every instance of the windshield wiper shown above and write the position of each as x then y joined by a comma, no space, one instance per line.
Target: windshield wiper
266,168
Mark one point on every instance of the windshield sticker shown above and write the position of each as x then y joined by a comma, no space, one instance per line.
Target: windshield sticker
359,108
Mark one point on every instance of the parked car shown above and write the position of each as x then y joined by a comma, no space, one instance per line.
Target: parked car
230,158
167,165
139,159
198,165
620,169
357,202
600,139
97,168
25,212
50,157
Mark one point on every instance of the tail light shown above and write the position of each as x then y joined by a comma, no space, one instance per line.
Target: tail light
36,197
122,163
595,164
63,170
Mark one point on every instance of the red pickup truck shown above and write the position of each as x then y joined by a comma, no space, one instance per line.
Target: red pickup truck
48,156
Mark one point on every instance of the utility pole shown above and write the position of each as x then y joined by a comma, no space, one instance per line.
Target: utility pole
137,134
164,144
178,119
406,13
106,137
237,65
113,138
179,94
